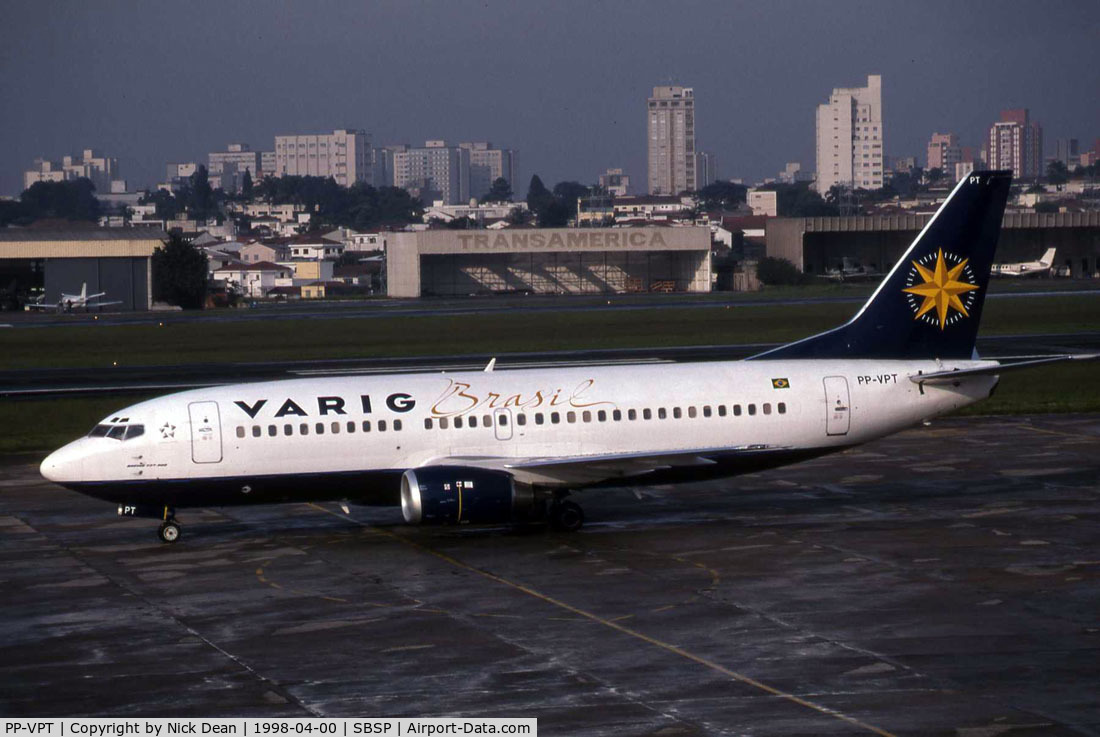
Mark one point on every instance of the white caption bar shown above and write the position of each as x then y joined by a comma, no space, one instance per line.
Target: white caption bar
124,727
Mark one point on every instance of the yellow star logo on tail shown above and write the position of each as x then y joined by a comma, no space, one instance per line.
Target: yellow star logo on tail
941,289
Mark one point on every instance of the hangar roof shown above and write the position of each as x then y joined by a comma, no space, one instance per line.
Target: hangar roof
79,242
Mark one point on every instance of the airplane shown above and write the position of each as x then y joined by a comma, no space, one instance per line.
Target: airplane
1042,267
68,302
509,446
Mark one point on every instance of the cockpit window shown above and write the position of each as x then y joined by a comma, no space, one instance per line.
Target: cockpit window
117,432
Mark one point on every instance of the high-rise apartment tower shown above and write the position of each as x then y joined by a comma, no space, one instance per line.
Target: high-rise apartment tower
849,137
671,125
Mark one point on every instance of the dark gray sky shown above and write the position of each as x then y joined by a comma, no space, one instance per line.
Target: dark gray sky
564,83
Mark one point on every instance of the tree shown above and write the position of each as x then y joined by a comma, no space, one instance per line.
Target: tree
167,206
180,274
775,271
72,200
246,185
500,191
538,196
722,195
934,175
201,203
1057,172
798,200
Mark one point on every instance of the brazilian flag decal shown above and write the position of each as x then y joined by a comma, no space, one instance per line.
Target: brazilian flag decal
780,384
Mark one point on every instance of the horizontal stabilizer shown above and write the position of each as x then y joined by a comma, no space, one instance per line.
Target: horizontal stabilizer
943,377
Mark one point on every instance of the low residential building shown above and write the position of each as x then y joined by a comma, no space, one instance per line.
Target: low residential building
251,280
304,272
763,202
652,207
473,211
257,252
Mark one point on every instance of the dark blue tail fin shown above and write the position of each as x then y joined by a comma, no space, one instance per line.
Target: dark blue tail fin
930,304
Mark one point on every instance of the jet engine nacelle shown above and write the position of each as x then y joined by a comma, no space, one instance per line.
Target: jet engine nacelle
452,495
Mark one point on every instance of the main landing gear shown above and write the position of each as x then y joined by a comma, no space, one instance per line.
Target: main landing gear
169,531
565,515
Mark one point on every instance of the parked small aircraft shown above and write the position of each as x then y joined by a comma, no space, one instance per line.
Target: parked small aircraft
70,302
1042,267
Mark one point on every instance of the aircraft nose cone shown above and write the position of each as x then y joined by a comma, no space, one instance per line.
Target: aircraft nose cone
63,465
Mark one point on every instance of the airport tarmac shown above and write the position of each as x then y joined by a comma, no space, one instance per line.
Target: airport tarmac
944,581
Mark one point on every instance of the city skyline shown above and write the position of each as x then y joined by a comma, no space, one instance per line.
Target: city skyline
564,89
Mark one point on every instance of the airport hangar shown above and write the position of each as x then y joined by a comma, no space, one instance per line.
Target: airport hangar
117,261
548,261
818,244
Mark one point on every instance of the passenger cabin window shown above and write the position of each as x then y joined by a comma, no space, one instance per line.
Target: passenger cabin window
473,420
240,431
692,412
303,429
570,416
617,415
288,429
502,419
601,416
335,428
752,409
555,418
737,410
632,414
428,423
366,425
443,423
538,418
521,419
767,408
662,414
721,410
256,431
586,416
320,428
381,426
647,414
706,410
782,407
272,431
458,422
676,412
351,425
396,425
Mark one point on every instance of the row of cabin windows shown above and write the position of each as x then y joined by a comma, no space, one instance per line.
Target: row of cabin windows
616,415
320,428
540,418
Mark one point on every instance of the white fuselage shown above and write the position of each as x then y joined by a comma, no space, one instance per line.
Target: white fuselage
402,421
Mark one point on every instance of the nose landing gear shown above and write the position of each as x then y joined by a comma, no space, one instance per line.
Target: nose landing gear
169,531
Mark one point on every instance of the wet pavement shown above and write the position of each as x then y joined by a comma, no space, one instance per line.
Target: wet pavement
945,581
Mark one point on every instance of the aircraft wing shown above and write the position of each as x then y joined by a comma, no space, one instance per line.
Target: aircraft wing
944,377
104,304
39,306
588,469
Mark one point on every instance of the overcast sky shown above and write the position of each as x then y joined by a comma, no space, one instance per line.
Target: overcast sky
563,83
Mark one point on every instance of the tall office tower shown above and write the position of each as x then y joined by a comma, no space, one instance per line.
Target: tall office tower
943,153
229,166
92,165
435,172
343,155
671,121
706,169
615,182
1067,151
487,164
849,137
1016,143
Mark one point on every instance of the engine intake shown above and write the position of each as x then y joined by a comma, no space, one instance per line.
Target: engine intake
452,495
